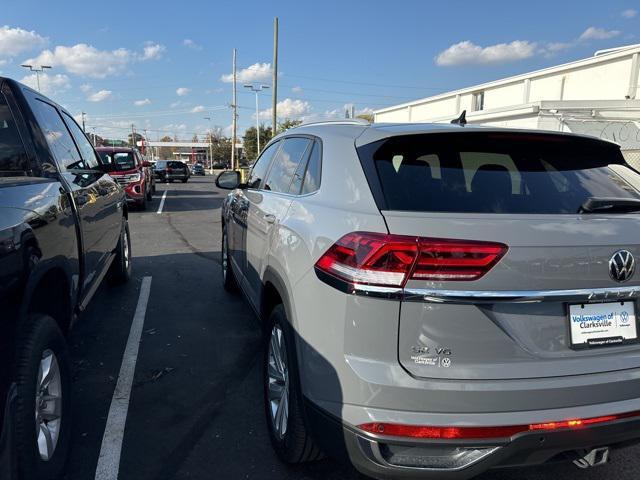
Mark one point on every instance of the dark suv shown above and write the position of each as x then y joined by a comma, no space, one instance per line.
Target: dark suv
63,228
170,170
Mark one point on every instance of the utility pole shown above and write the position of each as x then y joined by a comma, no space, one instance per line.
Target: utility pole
210,145
274,97
235,116
37,70
83,126
144,142
133,135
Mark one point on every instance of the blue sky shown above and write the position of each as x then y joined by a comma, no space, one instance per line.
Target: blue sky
124,62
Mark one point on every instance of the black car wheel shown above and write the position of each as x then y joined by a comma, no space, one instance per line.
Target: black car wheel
228,278
43,408
184,180
282,394
120,271
150,194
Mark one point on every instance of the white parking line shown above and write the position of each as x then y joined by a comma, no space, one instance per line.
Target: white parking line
109,459
164,195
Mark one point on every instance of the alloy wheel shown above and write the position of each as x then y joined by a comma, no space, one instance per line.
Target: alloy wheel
48,411
278,378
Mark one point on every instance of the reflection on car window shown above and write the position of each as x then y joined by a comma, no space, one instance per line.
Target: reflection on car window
118,161
57,136
286,163
13,159
312,176
260,168
86,149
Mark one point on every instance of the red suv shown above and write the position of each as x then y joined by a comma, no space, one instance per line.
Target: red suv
133,173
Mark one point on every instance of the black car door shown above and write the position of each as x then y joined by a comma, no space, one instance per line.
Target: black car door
96,196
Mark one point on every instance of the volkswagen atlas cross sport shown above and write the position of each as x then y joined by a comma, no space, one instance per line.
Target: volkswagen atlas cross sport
439,300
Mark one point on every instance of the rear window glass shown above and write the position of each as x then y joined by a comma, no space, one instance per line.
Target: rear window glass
495,172
13,160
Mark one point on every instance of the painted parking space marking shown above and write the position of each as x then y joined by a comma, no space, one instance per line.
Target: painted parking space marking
164,196
109,459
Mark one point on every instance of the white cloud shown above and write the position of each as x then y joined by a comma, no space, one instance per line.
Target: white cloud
153,51
254,73
99,96
142,103
187,42
179,127
175,104
14,41
288,108
85,88
595,33
49,84
83,59
297,89
197,109
468,53
629,13
182,91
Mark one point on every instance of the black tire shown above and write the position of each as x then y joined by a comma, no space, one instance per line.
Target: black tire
153,188
142,205
296,444
184,180
120,270
170,180
150,194
41,334
228,278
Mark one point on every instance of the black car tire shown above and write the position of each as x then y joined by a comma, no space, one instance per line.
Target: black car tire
40,334
184,180
120,270
150,194
296,445
153,188
142,204
228,278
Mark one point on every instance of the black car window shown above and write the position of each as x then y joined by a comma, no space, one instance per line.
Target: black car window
286,163
13,158
314,167
176,165
84,145
262,165
58,137
495,172
118,161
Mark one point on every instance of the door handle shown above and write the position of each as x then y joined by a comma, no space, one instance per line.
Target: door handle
270,218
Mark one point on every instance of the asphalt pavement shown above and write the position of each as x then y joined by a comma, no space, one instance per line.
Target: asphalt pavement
195,409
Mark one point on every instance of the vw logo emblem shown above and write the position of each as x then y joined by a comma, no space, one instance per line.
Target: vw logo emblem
622,266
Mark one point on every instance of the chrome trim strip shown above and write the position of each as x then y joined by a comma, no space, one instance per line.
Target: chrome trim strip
520,296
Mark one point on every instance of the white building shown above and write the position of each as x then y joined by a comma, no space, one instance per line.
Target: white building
598,96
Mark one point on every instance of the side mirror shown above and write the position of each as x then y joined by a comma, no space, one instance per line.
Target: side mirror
147,163
228,180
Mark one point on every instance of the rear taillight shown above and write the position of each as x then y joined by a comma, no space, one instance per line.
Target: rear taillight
391,260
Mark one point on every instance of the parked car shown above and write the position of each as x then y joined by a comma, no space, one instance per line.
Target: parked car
63,228
198,169
170,170
133,173
441,300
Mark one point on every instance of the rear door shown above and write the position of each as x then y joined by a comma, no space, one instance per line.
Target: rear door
549,306
267,206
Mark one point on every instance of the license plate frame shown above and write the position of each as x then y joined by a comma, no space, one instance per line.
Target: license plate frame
603,336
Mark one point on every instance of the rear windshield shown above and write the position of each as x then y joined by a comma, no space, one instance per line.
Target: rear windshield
116,161
494,172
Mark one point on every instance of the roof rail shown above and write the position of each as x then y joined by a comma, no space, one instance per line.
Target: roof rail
341,121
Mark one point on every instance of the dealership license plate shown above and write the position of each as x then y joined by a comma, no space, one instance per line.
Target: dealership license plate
602,324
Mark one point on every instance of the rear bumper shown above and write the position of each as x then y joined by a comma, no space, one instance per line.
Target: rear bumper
390,457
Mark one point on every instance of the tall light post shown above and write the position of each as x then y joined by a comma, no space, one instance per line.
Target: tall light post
38,70
257,88
210,145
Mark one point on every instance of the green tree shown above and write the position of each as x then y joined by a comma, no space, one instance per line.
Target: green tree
250,141
221,151
165,152
288,123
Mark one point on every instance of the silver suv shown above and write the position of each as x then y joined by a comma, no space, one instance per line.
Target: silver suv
439,300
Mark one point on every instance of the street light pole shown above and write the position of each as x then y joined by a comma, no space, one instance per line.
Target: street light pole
257,89
210,145
38,70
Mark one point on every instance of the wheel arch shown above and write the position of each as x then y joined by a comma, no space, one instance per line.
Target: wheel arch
274,292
